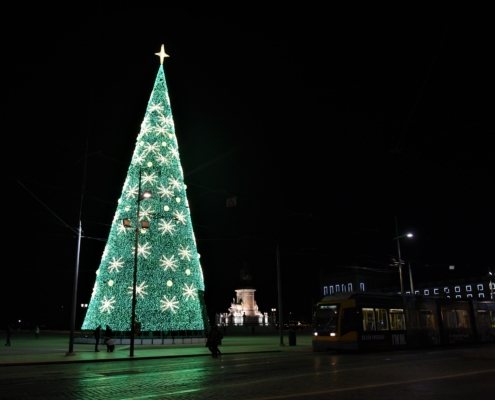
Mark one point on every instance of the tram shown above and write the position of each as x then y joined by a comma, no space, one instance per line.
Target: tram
366,321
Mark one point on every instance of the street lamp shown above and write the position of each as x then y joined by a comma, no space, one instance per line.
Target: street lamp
71,351
280,313
400,260
144,225
490,275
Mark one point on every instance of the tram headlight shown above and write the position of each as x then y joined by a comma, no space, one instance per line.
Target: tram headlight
332,334
316,333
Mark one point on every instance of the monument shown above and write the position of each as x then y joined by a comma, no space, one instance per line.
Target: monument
243,309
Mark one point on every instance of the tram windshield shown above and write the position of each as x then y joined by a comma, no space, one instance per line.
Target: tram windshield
326,319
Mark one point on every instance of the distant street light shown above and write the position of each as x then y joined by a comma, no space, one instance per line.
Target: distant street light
400,260
144,225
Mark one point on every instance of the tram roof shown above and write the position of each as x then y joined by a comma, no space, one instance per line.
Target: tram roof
353,295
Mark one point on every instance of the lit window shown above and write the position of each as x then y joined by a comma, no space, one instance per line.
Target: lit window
468,288
446,290
458,289
325,290
337,288
368,319
397,321
343,288
408,292
427,292
480,288
416,292
470,295
330,289
361,287
435,291
457,296
381,319
349,287
481,295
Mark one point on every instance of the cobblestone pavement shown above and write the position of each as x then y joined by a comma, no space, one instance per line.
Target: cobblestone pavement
436,374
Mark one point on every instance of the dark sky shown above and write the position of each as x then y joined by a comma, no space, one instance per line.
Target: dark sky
325,122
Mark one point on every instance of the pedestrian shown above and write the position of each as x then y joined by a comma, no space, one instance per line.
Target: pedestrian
37,332
213,340
96,335
108,331
110,344
9,332
137,328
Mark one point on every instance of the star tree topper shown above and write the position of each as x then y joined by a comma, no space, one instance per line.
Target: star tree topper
162,54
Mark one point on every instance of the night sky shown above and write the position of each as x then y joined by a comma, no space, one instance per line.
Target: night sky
326,123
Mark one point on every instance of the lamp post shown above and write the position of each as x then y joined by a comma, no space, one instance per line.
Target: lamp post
71,351
490,275
410,278
400,260
279,283
144,225
280,313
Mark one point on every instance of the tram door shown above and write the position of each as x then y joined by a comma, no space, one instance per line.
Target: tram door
483,325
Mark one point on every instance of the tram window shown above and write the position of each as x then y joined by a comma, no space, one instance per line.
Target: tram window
449,319
326,319
348,320
397,320
463,319
381,319
426,319
412,318
368,319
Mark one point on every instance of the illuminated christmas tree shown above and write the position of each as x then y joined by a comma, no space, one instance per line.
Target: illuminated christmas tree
169,284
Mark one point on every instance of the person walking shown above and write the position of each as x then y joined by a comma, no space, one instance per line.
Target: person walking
9,332
108,331
37,332
213,341
96,335
110,344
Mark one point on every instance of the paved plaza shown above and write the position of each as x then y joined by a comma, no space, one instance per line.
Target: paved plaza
251,367
52,347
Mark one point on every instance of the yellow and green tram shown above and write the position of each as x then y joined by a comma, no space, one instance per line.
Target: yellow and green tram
365,321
